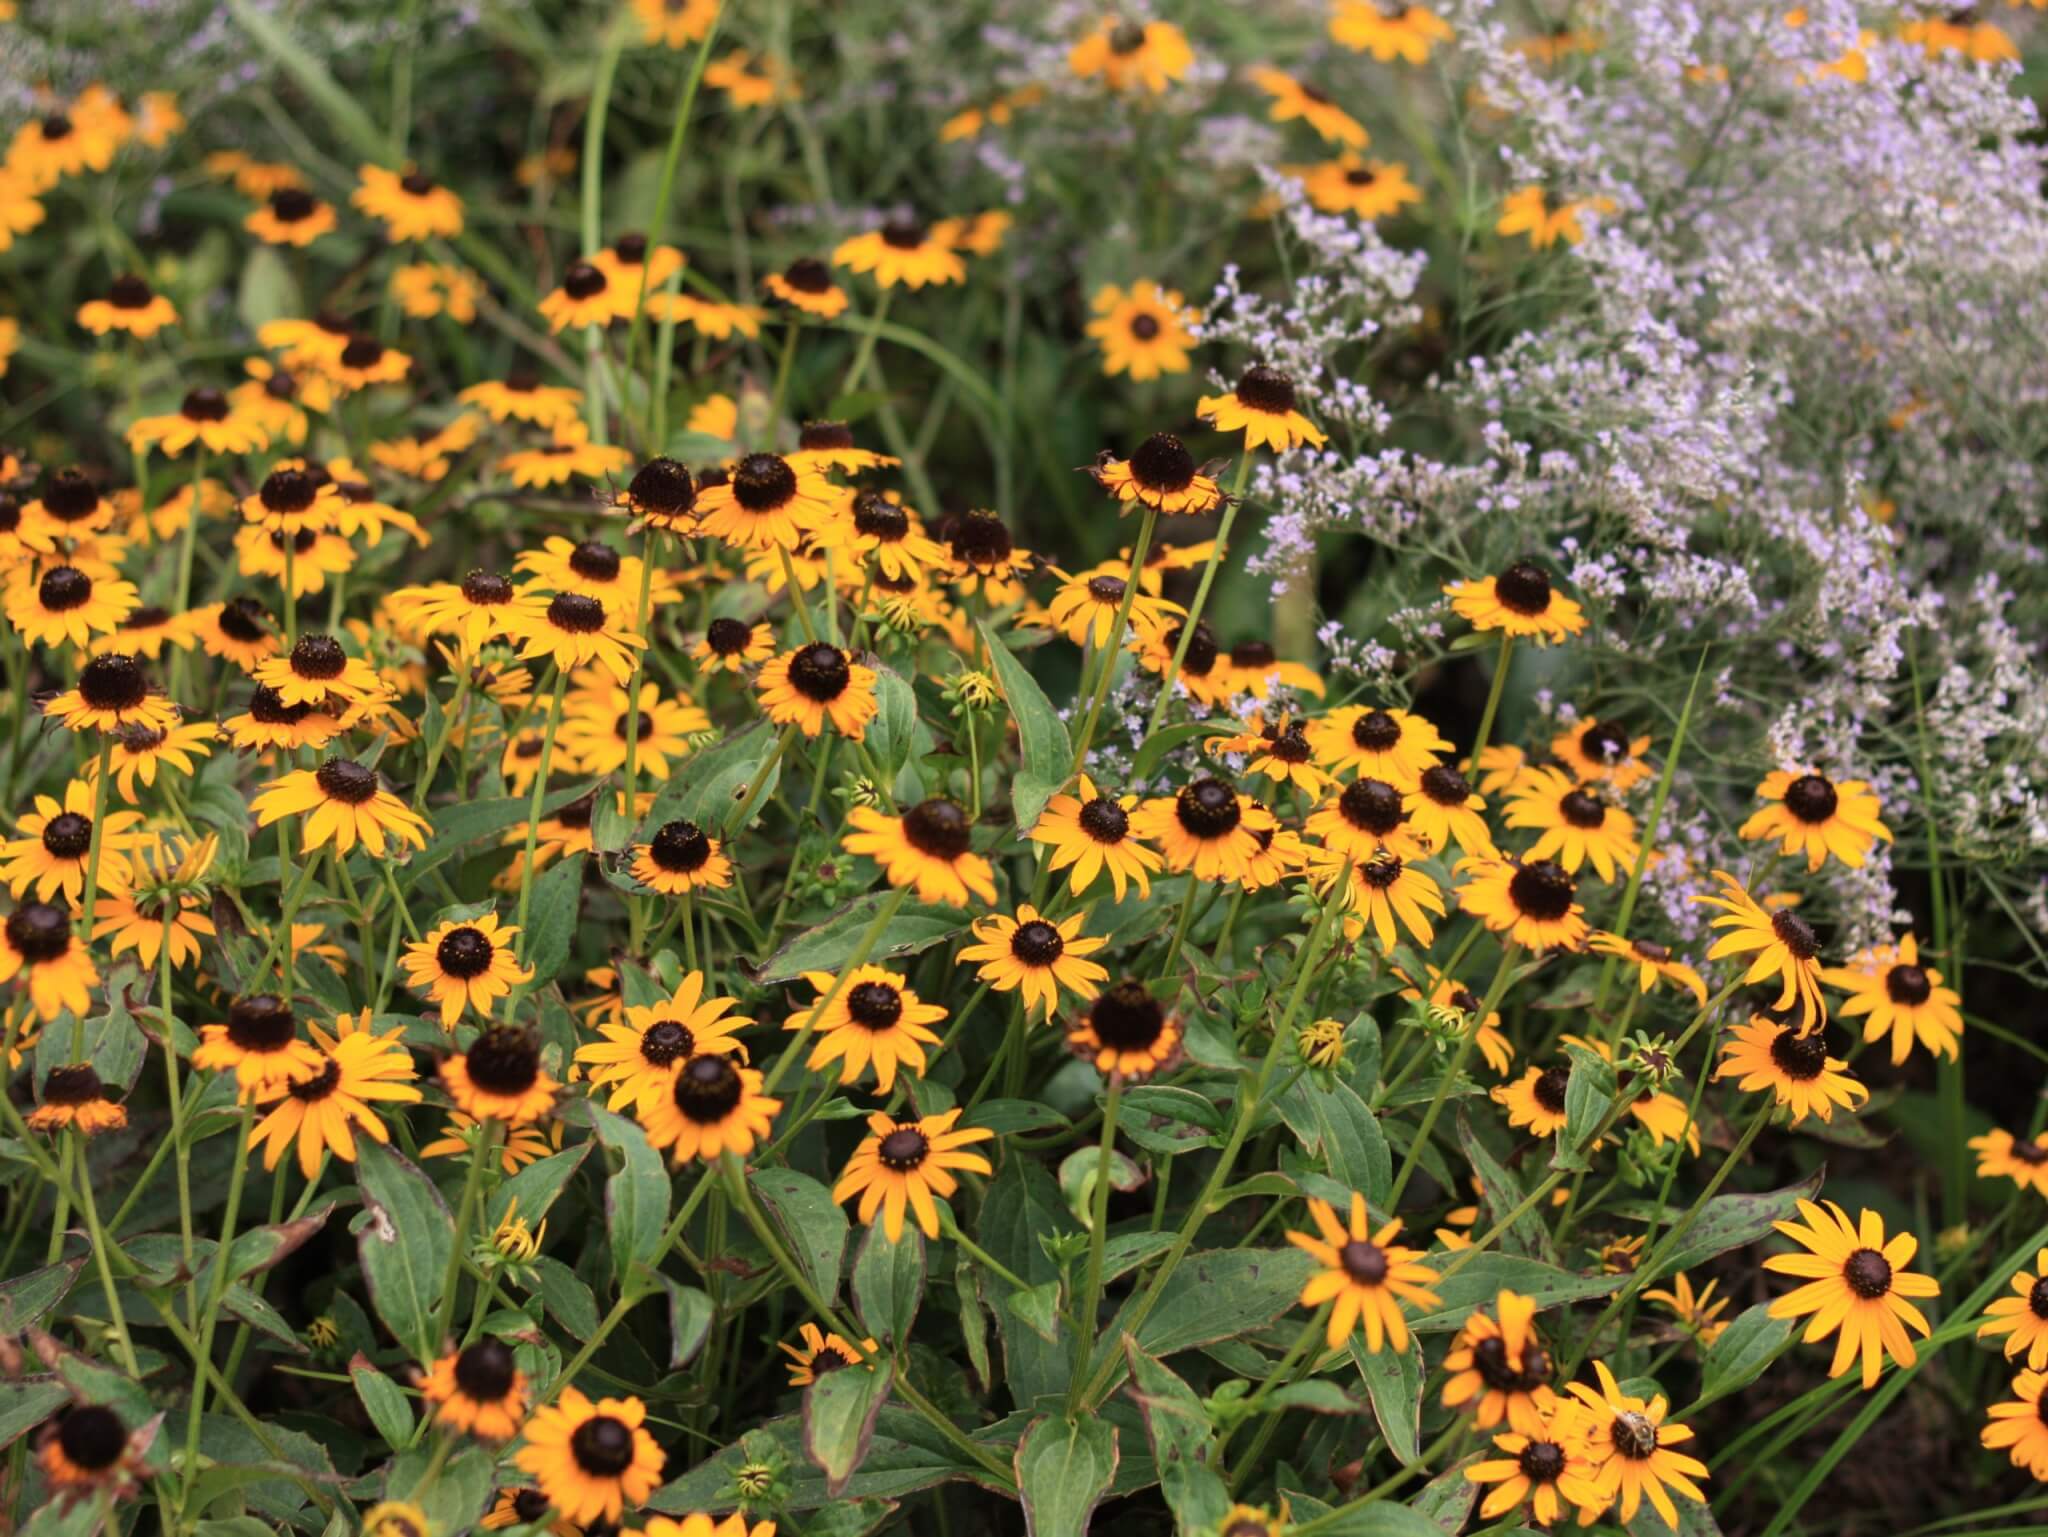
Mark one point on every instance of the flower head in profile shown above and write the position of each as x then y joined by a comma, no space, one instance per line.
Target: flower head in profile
410,204
1520,602
73,1096
927,849
360,1069
904,252
1294,99
1161,474
2022,1317
1388,29
1136,56
1783,944
822,1352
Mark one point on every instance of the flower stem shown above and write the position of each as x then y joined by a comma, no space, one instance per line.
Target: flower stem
1194,614
1500,678
540,786
1111,647
1450,1073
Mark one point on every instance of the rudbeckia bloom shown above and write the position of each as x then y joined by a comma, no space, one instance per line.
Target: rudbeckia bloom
1295,98
1784,944
1388,29
499,1078
1143,330
1363,821
365,361
1030,953
53,849
63,604
1393,745
315,668
1126,1033
410,205
260,1045
1532,903
129,306
681,857
1814,815
1698,1314
1370,189
901,251
1160,473
87,1447
1442,810
591,1460
1447,992
2001,1155
1536,1099
1277,751
1262,407
60,143
1090,832
818,683
292,499
474,610
927,849
1527,211
632,267
766,501
1630,1446
660,494
1132,55
573,631
1085,607
70,506
206,418
1578,824
1519,602
1900,997
238,630
1365,1274
316,554
73,1096
37,939
730,644
907,1163
2023,1317
521,397
1203,829
713,1106
830,446
1856,1287
594,729
878,527
2019,1425
113,695
465,964
1501,1367
875,1021
985,554
478,1388
820,1353
1793,1064
271,724
291,216
1601,752
584,298
1653,962
343,803
1543,1468
643,1050
360,1068
806,285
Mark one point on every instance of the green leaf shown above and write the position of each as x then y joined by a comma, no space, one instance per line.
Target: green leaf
1588,1095
893,732
1063,1468
1153,750
1335,1125
456,1496
268,291
405,1241
26,1298
468,821
839,1418
1039,1307
690,1315
888,1282
1178,1427
916,927
813,1223
1502,1194
1222,1293
1318,1395
905,1455
1487,1273
1382,1518
557,908
534,1188
1047,751
1736,1221
568,1300
343,112
383,1400
1748,1345
1023,1206
26,1402
1447,1499
1393,1380
713,784
1168,1120
636,1198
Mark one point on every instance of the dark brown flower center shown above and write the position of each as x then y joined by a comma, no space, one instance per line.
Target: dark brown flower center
68,835
1162,463
602,1447
1372,806
56,125
92,1437
981,539
504,1060
113,682
762,483
73,1084
1549,1087
1542,891
1361,176
662,485
1037,943
821,436
708,1089
63,588
243,620
464,953
1144,326
267,708
583,280
287,491
874,1005
39,932
205,404
1801,1058
70,496
486,589
1127,38
1811,798
529,1505
1365,1263
631,249
1127,1017
876,517
1199,660
904,1149
1868,1273
728,637
1908,986
1252,655
903,234
595,561
808,275
260,1023
575,613
938,828
2037,1294
362,352
666,1041
318,657
416,183
1104,820
1266,390
1583,809
1208,808
1445,785
680,847
1541,1462
1376,731
1795,934
1604,743
820,672
1291,745
315,1090
128,292
1524,588
486,1371
346,781
829,1358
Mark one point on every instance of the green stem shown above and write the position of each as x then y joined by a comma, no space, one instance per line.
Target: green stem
540,786
1450,1074
1112,647
862,949
1098,1226
1194,614
1500,678
92,871
866,351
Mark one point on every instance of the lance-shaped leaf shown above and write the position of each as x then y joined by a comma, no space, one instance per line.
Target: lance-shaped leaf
406,1237
839,1418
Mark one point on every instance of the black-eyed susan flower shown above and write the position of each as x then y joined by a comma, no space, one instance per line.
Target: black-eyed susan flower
1128,55
1529,211
205,417
162,900
816,684
1143,330
731,644
1388,29
315,668
1202,676
595,569
1038,957
1698,1313
1783,943
479,1389
53,850
1531,902
1810,814
1364,820
875,1020
1630,1445
1295,99
1442,809
1498,1365
583,298
426,289
2001,1155
1203,829
145,633
343,803
713,1106
2018,1426
1857,1287
1126,1033
87,1448
291,499
1089,832
661,494
1278,751
465,964
928,849
240,631
2022,1318
1365,1275
820,1353
830,446
1085,607
595,727
1543,1468
806,285
113,694
680,858
1368,189
1263,407
314,555
260,1045
632,265
1160,473
521,397
643,1049
70,507
410,204
360,1069
1895,995
1448,993
1536,1099
521,1146
908,1163
500,1078
877,527
574,630
130,307
767,501
66,606
1603,753
1521,602
528,1507
1653,963
1394,745
985,554
269,724
291,216
73,1096
365,361
901,251
474,610
1578,824
1794,1064
719,322
591,1460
